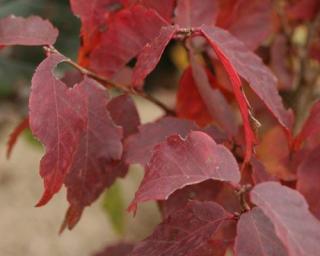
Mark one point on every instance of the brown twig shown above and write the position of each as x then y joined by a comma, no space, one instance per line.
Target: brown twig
107,83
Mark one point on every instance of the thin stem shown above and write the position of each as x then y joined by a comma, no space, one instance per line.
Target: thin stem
107,83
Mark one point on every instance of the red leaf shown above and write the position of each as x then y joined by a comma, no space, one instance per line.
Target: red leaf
92,169
194,13
177,163
256,236
311,126
250,21
225,55
151,54
27,31
24,124
259,172
55,115
295,226
138,147
250,67
127,34
217,105
125,114
121,249
186,232
303,9
309,180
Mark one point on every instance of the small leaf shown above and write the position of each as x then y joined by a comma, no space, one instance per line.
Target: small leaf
177,163
295,226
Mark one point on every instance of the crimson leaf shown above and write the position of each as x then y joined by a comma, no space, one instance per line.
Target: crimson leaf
138,147
27,31
126,36
250,67
151,54
177,163
295,226
186,232
256,236
55,115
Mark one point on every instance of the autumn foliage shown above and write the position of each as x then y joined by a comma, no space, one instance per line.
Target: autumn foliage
234,167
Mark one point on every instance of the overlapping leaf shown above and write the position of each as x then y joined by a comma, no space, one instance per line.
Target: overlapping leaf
177,163
138,148
151,54
295,226
27,31
186,232
256,236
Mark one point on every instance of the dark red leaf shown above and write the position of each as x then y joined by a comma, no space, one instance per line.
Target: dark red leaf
138,147
295,226
250,21
259,172
92,170
24,124
27,31
55,115
303,9
125,114
309,180
194,13
217,105
121,249
256,236
186,232
126,35
151,54
251,68
311,126
224,53
177,163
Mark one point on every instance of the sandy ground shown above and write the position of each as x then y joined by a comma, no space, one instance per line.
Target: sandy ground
29,231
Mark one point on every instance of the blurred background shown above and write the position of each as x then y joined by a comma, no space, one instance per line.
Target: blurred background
29,231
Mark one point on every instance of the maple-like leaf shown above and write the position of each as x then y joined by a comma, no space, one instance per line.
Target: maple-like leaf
24,124
138,147
256,236
92,169
310,127
194,13
30,31
186,232
55,116
309,178
121,249
250,21
177,163
126,35
217,105
251,68
287,209
151,54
